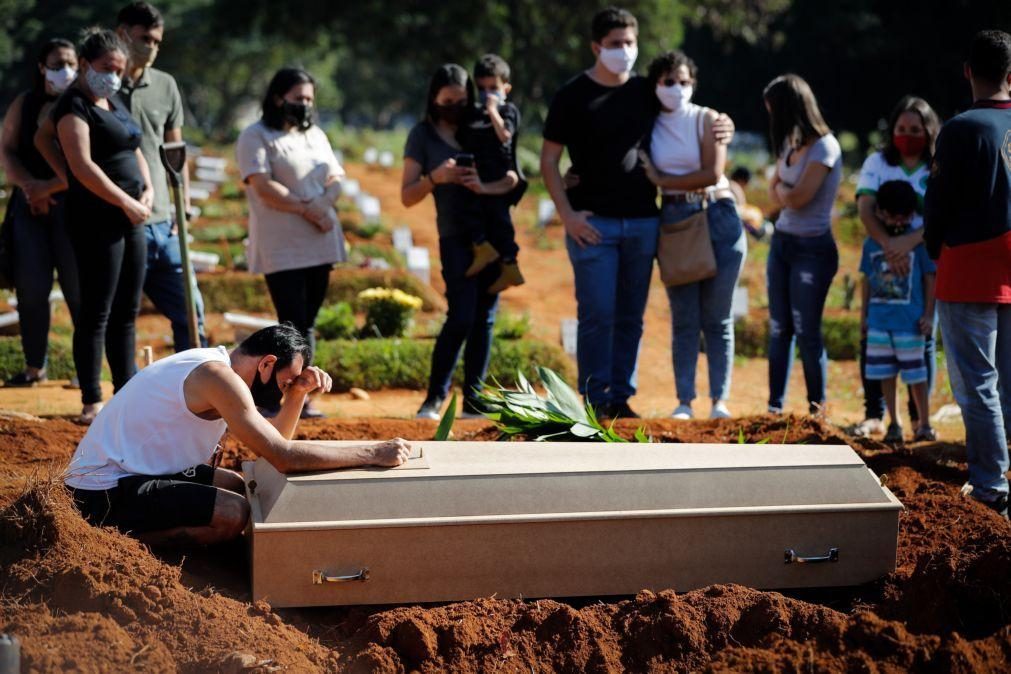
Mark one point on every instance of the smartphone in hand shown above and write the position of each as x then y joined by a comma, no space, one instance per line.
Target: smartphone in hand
465,160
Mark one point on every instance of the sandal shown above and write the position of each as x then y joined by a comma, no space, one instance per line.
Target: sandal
894,434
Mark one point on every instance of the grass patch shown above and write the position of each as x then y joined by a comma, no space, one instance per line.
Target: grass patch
841,335
61,358
375,364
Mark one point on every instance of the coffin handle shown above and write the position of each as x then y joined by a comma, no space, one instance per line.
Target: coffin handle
791,557
320,577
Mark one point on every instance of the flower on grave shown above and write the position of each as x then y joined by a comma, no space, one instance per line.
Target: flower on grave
389,312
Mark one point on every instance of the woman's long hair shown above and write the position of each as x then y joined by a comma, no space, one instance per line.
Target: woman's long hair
794,115
39,81
280,84
448,74
931,126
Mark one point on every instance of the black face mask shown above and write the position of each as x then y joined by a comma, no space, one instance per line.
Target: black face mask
297,114
451,114
266,395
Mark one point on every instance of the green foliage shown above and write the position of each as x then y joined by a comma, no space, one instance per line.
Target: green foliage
61,357
388,312
511,326
336,321
375,364
558,415
240,291
446,423
840,332
232,231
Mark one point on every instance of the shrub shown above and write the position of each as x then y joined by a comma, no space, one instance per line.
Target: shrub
336,321
375,364
231,291
389,312
840,332
511,326
61,357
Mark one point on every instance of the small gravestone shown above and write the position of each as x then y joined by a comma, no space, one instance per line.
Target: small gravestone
419,264
739,305
570,331
245,325
370,156
203,261
403,240
369,207
386,159
545,211
211,175
350,188
213,163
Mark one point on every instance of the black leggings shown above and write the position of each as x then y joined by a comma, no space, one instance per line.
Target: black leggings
298,294
111,261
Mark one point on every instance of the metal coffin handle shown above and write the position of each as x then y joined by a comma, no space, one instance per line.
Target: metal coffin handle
791,557
321,577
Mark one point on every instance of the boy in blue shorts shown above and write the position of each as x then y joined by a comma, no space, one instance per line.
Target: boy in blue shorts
898,312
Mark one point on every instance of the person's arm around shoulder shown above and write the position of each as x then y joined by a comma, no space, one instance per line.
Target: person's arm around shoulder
713,162
215,386
826,152
47,143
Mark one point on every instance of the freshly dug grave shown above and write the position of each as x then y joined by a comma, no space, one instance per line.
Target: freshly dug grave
93,600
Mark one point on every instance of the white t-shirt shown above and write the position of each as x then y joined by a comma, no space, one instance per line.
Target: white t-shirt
147,429
676,143
302,162
877,171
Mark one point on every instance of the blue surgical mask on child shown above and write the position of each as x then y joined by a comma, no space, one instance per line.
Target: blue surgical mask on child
483,96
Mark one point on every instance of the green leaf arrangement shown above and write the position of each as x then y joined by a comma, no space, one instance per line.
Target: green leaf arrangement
559,415
446,423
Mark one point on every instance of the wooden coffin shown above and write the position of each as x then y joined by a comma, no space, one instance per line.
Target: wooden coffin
470,519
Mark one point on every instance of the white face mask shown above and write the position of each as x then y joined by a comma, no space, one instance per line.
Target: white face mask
619,60
675,96
61,78
103,85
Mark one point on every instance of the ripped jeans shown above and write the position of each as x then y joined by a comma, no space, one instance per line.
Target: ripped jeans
799,273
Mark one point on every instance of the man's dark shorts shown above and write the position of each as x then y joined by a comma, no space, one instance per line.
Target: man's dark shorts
143,503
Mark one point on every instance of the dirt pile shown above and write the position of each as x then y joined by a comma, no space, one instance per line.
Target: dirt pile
91,599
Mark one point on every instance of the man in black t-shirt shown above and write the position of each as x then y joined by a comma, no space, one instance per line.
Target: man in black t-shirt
610,215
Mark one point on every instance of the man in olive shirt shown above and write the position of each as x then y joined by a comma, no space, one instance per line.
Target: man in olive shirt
153,99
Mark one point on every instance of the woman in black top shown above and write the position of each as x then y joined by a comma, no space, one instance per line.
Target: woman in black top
35,231
109,196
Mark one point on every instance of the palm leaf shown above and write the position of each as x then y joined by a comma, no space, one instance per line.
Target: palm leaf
446,423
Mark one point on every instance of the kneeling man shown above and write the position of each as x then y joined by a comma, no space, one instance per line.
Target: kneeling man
143,464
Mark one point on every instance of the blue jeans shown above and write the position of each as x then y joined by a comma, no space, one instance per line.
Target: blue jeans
705,307
612,284
470,319
977,343
41,244
799,273
163,283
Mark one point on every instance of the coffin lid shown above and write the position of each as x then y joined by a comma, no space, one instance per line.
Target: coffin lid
446,482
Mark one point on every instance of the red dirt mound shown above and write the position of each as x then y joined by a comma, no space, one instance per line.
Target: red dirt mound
89,599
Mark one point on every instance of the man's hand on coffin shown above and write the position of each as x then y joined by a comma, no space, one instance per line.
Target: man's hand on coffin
391,453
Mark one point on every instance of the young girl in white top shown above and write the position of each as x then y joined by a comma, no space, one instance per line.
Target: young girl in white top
687,163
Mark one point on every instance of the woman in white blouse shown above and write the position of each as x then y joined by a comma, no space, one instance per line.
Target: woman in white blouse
292,182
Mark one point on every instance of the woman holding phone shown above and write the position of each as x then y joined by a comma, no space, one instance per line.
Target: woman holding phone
436,163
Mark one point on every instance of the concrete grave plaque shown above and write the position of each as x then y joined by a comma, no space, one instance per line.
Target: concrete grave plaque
470,519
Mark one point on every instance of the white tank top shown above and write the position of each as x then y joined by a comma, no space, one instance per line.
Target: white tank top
676,143
147,429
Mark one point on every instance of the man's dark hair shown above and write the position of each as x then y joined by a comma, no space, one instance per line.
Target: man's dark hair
492,65
97,42
283,341
931,127
280,84
990,56
741,174
897,197
610,18
448,74
140,14
43,57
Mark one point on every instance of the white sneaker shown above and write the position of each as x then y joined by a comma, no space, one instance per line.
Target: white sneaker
867,428
720,411
683,412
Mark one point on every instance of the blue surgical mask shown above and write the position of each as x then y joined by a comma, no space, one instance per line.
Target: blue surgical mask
103,85
483,95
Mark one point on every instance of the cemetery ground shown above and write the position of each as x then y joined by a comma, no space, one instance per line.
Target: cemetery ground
89,599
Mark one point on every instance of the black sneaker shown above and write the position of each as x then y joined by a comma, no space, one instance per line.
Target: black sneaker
472,409
620,411
22,379
430,408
